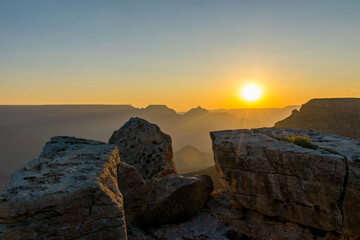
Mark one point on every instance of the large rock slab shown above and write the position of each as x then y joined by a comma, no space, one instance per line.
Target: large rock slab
279,179
144,146
69,192
176,198
349,149
134,190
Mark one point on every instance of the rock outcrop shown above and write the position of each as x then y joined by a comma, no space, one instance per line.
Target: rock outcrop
273,189
69,192
317,189
176,198
135,191
144,146
339,116
79,189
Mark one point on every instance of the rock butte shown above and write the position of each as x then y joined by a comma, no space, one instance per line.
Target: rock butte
84,189
339,116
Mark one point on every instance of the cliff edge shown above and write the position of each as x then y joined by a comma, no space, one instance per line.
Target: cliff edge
339,116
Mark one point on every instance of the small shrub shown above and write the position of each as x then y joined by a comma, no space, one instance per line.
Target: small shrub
303,141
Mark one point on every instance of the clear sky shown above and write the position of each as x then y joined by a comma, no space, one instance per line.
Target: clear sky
180,53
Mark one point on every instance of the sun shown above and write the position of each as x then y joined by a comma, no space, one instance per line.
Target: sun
251,93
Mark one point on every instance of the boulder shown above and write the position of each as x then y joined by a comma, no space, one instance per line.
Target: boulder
144,146
69,192
176,197
317,188
134,190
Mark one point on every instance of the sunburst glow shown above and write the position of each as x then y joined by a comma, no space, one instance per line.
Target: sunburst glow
251,93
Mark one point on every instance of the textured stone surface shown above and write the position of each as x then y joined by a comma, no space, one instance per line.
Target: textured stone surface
69,192
176,197
146,147
243,223
339,116
314,188
350,150
221,220
134,190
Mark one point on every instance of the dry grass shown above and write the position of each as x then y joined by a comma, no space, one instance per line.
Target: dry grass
303,141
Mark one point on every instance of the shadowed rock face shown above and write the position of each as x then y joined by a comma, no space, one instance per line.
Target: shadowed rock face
176,198
134,189
339,116
69,192
315,188
144,146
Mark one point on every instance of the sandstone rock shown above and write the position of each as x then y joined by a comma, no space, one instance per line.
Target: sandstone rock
69,192
339,116
350,150
176,197
243,223
144,146
221,220
134,190
309,187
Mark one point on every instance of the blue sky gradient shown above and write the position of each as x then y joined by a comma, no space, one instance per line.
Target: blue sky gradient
143,52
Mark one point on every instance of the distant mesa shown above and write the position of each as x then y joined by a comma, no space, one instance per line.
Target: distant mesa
159,110
339,116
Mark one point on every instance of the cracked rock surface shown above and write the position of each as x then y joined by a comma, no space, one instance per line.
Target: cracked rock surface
69,192
313,188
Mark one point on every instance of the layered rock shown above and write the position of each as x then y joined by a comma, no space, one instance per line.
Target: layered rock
69,192
176,198
314,188
350,150
144,146
339,116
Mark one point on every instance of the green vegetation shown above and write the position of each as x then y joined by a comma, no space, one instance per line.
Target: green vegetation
303,141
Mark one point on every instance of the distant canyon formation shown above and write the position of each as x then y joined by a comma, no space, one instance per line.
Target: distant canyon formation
339,116
25,129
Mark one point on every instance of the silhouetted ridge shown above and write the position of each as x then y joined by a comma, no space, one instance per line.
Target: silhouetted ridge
333,115
159,109
196,111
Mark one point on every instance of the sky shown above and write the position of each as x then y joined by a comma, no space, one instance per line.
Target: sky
179,53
